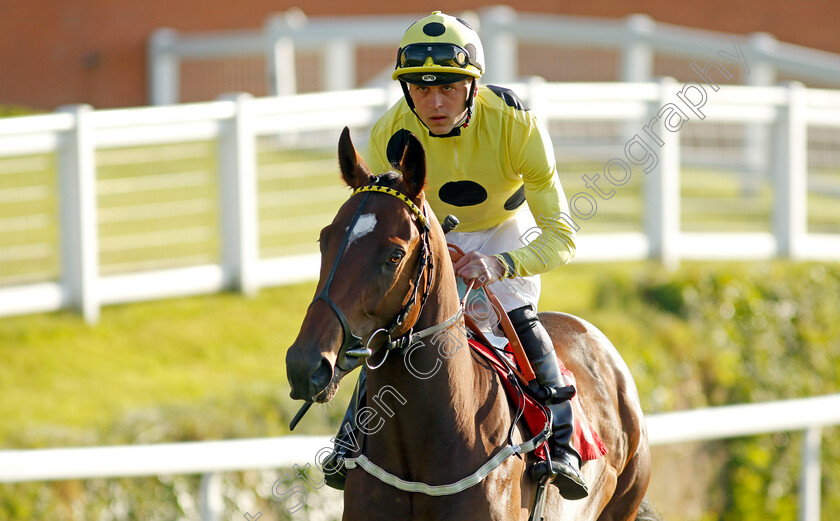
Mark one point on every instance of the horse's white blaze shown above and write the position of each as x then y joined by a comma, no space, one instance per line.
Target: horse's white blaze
365,225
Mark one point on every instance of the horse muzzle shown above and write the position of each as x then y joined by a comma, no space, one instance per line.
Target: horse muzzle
311,378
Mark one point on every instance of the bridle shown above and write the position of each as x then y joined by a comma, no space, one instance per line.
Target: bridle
351,345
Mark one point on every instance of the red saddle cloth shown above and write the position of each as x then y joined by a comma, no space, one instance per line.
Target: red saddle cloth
585,439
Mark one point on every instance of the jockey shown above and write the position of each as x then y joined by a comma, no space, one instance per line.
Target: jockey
491,164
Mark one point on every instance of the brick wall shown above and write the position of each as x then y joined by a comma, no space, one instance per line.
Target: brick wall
94,51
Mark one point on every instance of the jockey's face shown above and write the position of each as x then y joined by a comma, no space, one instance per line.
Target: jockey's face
441,107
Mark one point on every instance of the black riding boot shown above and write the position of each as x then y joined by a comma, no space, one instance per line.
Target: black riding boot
348,436
565,460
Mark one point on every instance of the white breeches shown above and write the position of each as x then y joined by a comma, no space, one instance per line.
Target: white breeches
507,236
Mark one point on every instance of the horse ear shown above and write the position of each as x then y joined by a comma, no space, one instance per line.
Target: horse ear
354,170
413,166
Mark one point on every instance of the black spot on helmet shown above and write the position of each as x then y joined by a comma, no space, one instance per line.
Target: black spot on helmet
434,29
439,30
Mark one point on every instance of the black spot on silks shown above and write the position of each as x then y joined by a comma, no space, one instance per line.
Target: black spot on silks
509,97
396,147
516,200
462,193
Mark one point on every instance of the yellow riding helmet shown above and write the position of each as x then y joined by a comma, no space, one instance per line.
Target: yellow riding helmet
439,49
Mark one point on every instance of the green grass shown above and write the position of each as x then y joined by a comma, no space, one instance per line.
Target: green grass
7,111
212,367
62,375
59,372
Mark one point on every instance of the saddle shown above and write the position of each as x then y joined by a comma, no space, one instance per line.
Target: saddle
506,356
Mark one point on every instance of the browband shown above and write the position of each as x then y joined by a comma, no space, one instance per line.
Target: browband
390,191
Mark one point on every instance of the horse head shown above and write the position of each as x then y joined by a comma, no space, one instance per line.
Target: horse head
374,271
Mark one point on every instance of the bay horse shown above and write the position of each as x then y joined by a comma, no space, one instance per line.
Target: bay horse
434,415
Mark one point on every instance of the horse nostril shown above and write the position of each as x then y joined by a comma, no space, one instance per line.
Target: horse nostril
321,377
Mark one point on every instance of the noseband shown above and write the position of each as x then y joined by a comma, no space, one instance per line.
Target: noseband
351,345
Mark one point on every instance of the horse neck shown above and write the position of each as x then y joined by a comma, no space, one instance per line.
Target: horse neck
432,389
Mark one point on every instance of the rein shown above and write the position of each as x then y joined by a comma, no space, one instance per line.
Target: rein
351,345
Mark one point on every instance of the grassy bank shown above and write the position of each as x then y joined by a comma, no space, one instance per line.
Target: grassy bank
213,367
62,375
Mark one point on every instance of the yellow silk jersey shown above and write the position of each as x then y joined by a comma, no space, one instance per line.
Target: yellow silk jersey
483,176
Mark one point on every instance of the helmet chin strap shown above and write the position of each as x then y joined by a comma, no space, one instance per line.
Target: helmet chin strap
465,121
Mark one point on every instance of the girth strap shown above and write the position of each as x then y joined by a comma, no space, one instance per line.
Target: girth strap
453,488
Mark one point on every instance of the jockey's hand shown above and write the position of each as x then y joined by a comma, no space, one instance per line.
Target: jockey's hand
483,269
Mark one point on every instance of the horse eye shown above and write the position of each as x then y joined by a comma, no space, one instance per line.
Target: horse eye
396,257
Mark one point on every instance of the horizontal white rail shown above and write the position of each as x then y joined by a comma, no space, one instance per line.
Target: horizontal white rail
210,457
226,132
733,421
159,459
637,39
712,423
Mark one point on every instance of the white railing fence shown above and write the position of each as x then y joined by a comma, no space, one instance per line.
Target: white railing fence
264,180
337,44
211,458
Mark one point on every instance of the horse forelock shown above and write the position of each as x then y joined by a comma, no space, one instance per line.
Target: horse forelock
391,179
394,179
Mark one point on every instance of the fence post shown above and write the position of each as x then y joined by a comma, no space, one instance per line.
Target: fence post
78,213
536,98
163,68
809,486
637,56
500,49
211,504
662,184
339,65
791,191
636,63
238,197
761,73
280,51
